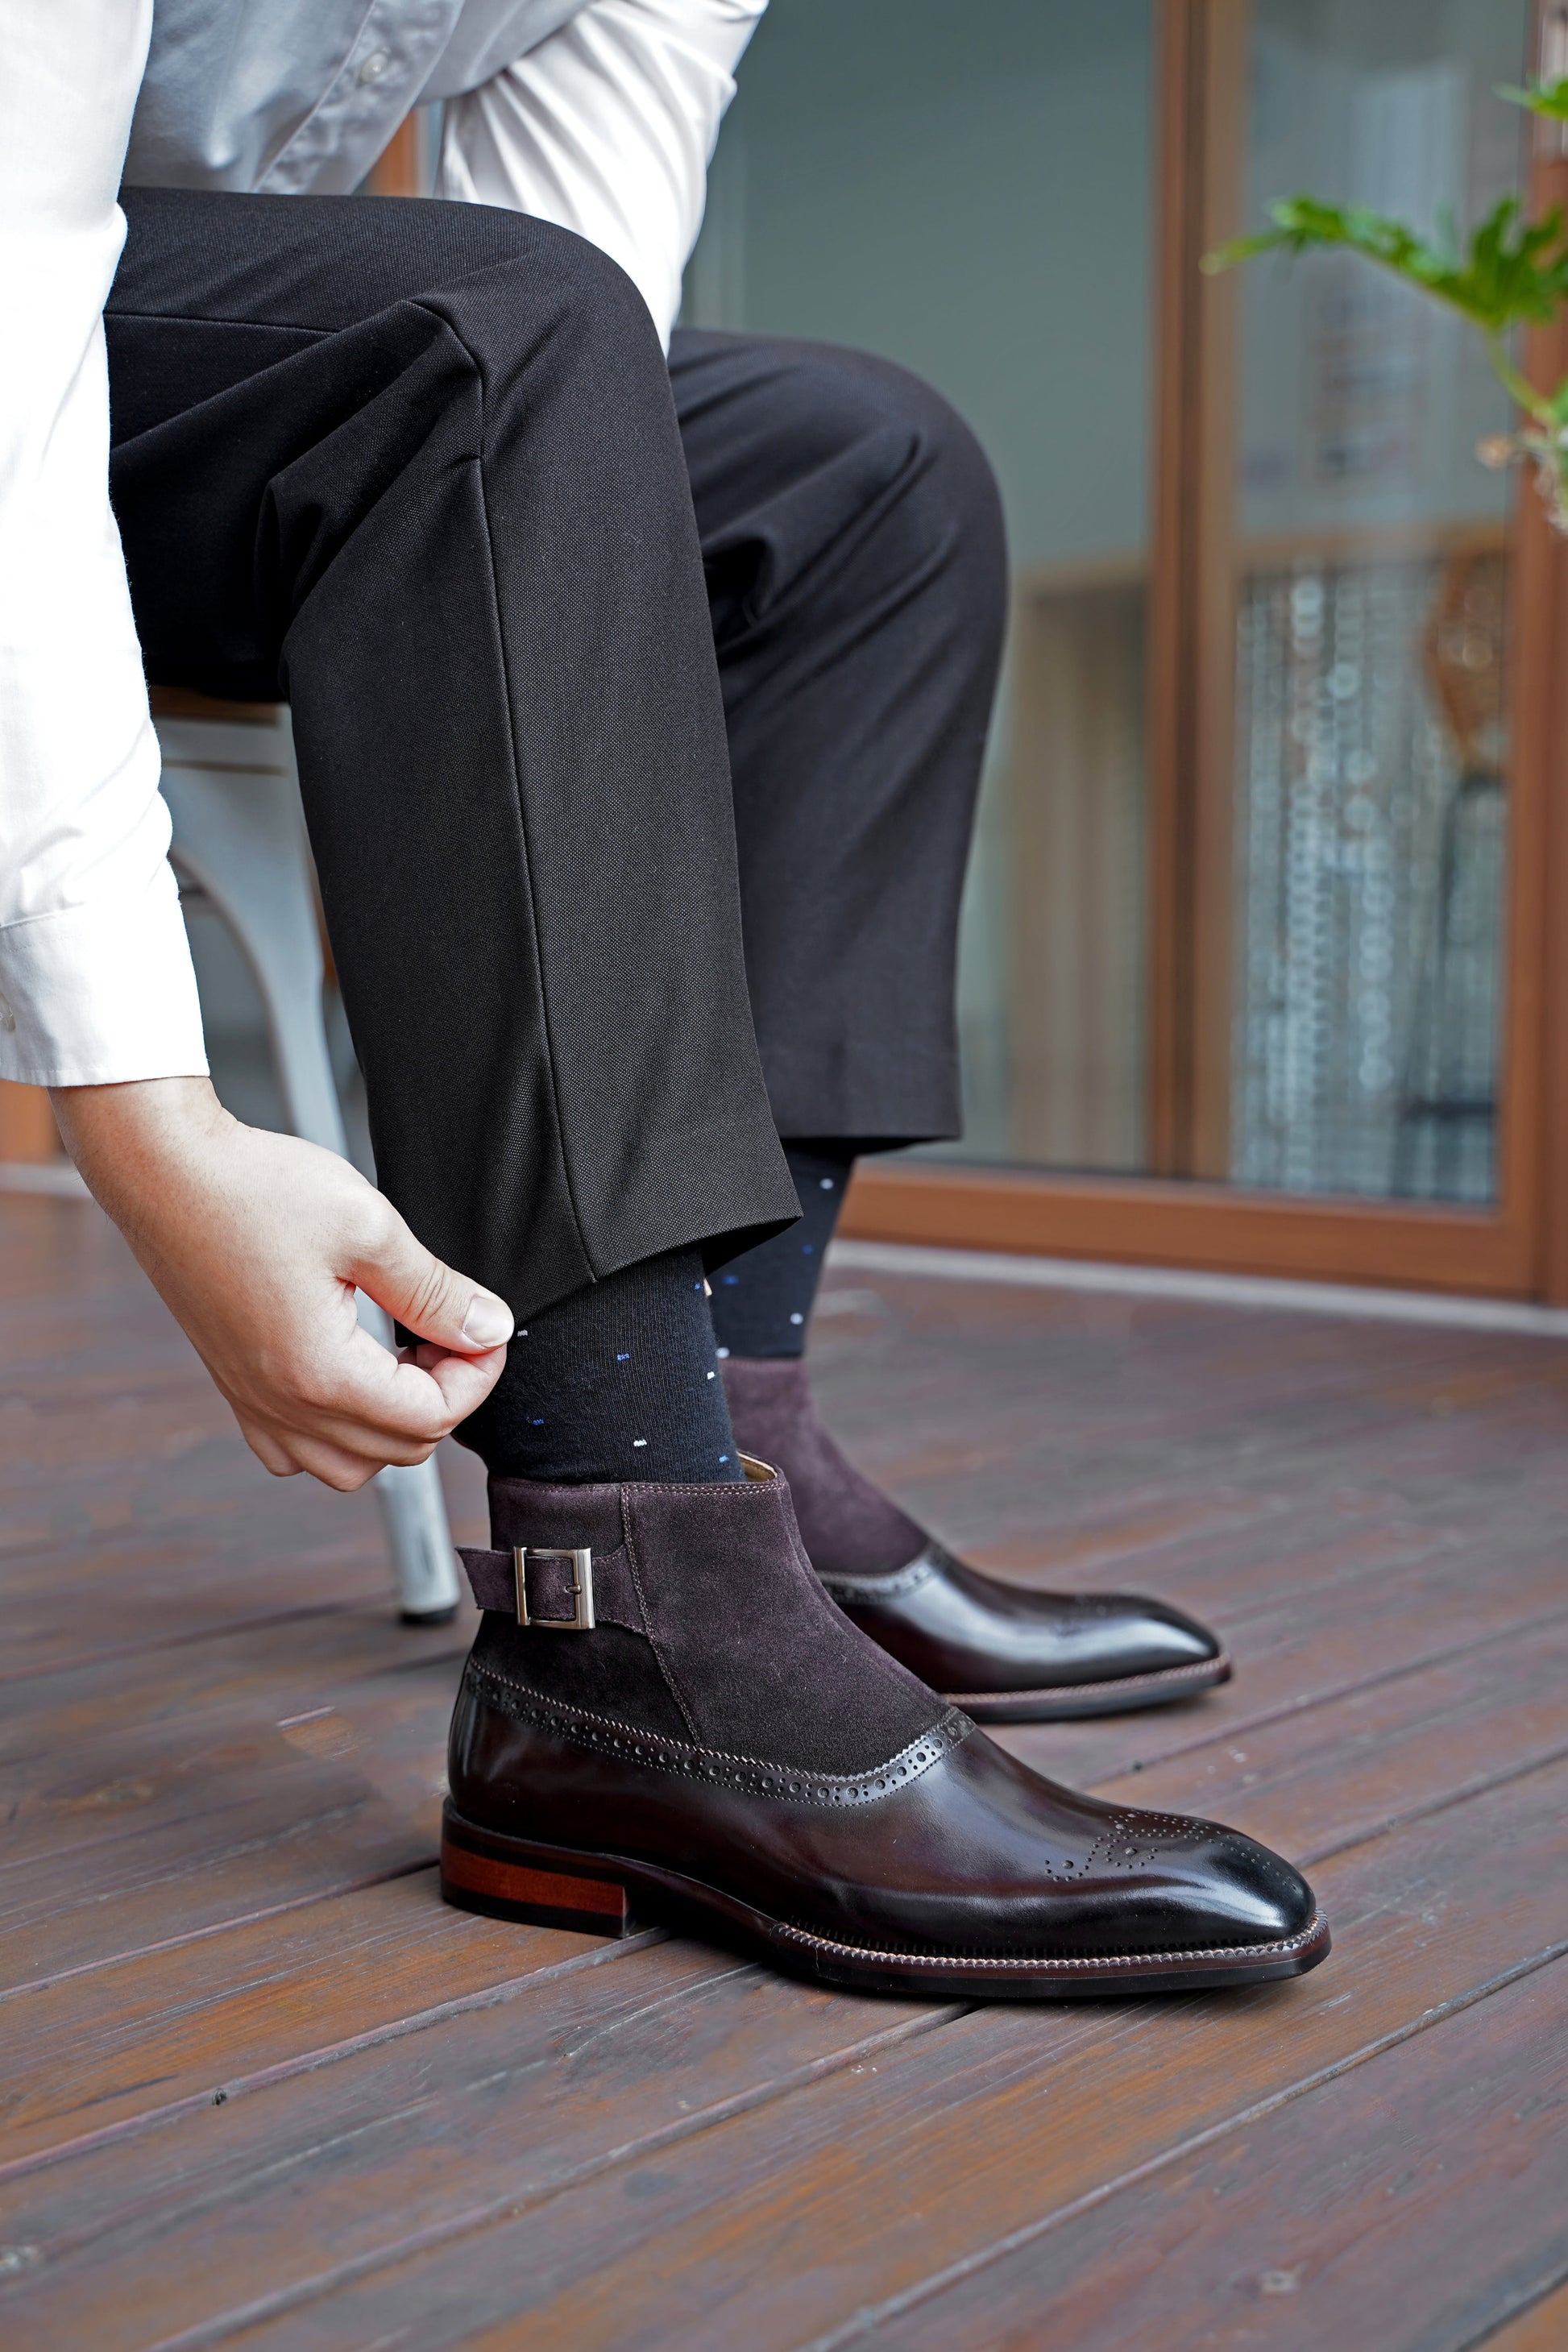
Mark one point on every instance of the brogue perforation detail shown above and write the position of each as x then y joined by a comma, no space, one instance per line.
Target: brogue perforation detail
1131,1839
749,1776
859,1589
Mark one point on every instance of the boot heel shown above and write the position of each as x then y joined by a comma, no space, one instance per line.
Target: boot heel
541,1896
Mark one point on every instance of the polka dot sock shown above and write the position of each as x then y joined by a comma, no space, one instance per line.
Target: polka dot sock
619,1380
762,1302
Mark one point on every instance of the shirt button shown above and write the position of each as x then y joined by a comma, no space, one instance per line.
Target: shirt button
374,66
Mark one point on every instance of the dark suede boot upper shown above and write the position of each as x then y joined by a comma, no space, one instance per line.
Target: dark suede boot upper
713,1627
848,1526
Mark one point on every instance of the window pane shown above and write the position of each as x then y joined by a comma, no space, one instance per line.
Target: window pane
1370,580
968,190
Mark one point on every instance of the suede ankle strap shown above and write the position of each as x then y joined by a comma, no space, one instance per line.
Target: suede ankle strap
548,1526
549,1587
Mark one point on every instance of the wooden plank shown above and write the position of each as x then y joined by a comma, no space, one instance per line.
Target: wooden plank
377,2196
192,1563
1542,2328
1466,1719
199,1762
1329,2221
279,1665
310,1661
1319,1779
178,1819
188,1843
1157,1393
180,1760
1307,1785
145,1748
948,2147
91,1905
511,2097
1303,1479
85,2057
154,1595
1293,1657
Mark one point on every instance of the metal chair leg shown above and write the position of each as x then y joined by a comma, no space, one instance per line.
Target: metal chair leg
240,838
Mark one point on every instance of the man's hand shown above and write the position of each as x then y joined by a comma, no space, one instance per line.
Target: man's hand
258,1242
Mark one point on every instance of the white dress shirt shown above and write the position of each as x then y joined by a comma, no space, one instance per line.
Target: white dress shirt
608,128
606,125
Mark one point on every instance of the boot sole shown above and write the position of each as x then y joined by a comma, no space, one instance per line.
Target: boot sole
611,1894
1070,1701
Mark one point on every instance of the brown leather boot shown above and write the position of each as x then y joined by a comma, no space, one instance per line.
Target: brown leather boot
665,1717
1005,1653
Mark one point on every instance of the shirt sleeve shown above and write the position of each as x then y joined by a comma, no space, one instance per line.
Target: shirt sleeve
607,128
95,983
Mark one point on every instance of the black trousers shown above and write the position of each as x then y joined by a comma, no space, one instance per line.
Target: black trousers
562,742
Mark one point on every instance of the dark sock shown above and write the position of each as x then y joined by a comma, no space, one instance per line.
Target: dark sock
617,1381
762,1301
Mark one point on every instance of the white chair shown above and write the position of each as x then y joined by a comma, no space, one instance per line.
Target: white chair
239,846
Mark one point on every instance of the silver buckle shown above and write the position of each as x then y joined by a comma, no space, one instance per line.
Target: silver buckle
582,1619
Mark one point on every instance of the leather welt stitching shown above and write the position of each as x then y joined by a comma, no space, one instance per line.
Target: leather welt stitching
1036,1963
1207,1667
748,1774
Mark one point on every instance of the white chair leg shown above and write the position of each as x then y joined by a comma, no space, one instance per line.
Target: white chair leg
239,836
414,1512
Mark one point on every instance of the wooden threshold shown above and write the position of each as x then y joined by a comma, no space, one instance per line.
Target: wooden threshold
1222,1229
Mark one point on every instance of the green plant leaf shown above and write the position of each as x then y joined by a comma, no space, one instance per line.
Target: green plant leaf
1547,98
1514,272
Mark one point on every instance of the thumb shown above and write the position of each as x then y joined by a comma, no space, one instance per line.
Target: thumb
401,1274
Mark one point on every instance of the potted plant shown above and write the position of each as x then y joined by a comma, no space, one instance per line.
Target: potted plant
1511,273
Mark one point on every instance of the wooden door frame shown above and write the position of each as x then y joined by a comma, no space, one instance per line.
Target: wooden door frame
1518,1248
1200,80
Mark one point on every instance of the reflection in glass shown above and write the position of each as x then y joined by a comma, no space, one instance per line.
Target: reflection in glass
1371,809
970,191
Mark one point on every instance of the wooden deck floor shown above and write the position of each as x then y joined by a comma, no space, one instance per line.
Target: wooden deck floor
258,2088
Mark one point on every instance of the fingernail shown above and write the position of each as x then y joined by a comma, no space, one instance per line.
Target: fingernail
487,1323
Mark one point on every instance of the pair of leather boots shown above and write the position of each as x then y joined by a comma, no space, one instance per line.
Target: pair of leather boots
682,1707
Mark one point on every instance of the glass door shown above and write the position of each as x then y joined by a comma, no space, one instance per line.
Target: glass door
1255,959
972,191
1369,807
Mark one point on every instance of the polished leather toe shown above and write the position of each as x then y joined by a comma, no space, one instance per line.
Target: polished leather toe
1006,1653
984,1854
952,1866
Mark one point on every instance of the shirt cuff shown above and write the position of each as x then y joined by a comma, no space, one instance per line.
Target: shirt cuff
100,995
